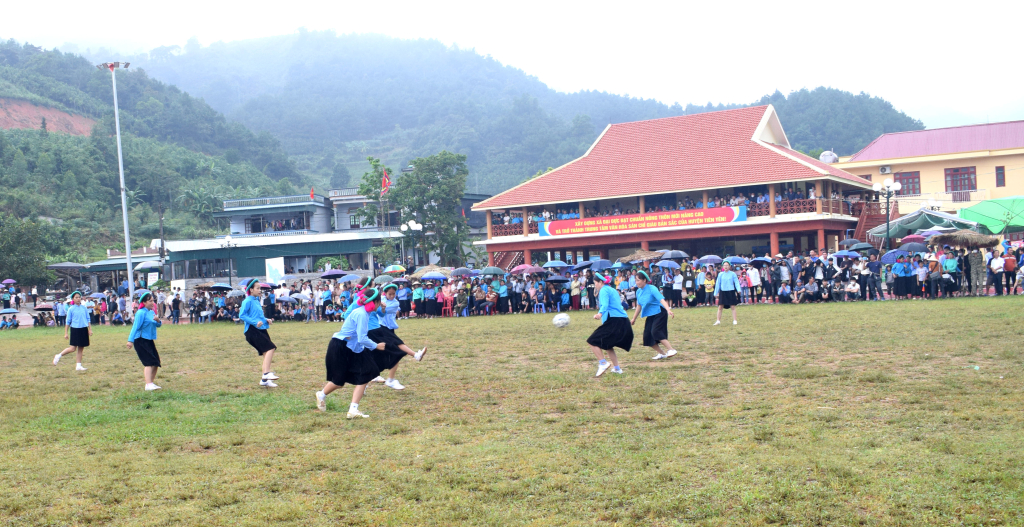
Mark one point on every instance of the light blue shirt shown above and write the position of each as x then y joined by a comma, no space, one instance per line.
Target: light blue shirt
649,299
727,281
62,309
354,330
145,325
78,316
610,304
391,308
402,294
252,313
632,281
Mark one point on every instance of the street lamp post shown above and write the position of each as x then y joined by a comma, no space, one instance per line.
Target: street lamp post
112,66
888,188
412,227
231,268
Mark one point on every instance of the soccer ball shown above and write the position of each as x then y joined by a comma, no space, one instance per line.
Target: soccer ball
561,320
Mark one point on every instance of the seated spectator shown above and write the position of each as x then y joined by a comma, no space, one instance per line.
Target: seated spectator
566,300
808,293
4,324
785,293
117,319
852,291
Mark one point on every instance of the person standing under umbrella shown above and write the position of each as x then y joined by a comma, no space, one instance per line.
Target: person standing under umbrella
143,339
727,286
256,324
614,330
77,331
652,305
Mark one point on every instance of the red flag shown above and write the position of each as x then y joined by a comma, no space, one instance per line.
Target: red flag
385,183
463,212
311,193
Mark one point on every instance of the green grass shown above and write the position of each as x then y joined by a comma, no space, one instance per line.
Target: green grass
866,414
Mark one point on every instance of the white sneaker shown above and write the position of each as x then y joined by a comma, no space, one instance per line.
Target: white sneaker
80,368
267,383
419,354
378,379
670,353
352,414
150,387
394,384
659,356
717,323
56,359
734,322
270,376
321,401
617,369
601,368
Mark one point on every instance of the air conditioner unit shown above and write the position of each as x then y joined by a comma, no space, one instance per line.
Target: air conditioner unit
885,170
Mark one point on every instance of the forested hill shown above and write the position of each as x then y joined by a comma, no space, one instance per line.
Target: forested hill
334,99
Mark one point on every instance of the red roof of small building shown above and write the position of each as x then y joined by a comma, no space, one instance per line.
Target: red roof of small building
973,138
673,154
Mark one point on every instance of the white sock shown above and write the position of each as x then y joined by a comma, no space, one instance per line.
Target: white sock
353,407
321,395
78,365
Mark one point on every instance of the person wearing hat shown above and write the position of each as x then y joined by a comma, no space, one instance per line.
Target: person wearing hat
349,357
651,304
904,277
77,331
256,335
418,299
614,331
357,291
394,348
143,339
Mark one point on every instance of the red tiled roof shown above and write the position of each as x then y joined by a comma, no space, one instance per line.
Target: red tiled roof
673,154
973,138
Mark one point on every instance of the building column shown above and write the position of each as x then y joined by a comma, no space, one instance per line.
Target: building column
490,258
641,200
645,245
771,214
774,239
705,198
526,223
821,240
818,188
527,257
490,226
583,211
586,254
604,253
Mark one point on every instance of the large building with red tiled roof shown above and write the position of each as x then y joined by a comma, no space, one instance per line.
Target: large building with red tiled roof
679,183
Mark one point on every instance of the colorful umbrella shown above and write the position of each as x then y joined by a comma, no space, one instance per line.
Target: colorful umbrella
913,238
97,295
394,269
533,269
10,281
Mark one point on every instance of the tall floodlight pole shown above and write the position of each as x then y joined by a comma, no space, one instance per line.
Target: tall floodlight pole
112,66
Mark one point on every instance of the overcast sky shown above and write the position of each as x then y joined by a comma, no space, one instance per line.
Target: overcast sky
944,63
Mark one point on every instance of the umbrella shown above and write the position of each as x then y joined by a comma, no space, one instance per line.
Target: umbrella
497,271
674,254
266,286
394,269
997,216
533,269
465,271
9,311
618,265
929,234
236,293
383,279
97,295
709,259
557,279
850,241
300,296
760,261
861,246
348,278
555,264
891,256
601,265
913,238
846,254
334,273
914,247
434,275
400,280
44,307
221,287
287,299
138,292
10,281
151,264
669,264
965,238
519,269
737,260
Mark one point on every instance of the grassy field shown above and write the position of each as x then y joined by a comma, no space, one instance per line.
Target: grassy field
895,413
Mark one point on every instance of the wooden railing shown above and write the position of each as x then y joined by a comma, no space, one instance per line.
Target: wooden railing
795,206
514,229
757,209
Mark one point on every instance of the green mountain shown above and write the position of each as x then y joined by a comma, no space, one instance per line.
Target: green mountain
333,100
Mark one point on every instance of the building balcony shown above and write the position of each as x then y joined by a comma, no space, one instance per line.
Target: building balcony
271,233
263,202
956,199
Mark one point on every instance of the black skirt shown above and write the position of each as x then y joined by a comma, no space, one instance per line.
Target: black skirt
656,328
146,350
78,337
421,307
727,299
903,285
259,339
345,367
388,357
615,333
432,307
403,306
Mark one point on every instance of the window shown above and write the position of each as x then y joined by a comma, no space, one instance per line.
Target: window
961,179
353,223
910,181
1000,176
867,177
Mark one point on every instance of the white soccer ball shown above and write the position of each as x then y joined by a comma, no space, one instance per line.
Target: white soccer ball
561,320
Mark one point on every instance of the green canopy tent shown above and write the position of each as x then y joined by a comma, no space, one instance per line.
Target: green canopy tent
921,219
997,216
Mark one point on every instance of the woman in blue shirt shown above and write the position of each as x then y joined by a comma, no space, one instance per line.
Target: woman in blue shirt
403,301
394,348
652,305
902,272
77,331
143,338
348,359
727,288
256,335
614,330
430,297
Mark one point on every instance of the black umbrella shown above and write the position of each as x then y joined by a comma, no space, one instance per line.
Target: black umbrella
862,247
849,241
914,247
674,254
557,279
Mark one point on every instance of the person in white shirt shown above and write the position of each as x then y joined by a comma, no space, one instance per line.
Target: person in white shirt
996,264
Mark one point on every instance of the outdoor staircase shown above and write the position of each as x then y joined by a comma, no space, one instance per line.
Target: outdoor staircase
873,215
508,259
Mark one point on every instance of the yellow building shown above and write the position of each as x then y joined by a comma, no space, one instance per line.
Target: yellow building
957,167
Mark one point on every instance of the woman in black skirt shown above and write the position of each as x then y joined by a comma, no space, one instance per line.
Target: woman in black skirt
349,357
394,348
77,331
614,330
651,304
143,338
727,288
256,335
419,299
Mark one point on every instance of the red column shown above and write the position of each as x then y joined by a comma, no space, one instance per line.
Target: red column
775,242
604,253
821,240
490,258
527,257
645,245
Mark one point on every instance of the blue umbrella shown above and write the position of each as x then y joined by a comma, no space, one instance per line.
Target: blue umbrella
138,292
760,261
462,271
97,295
348,278
737,260
555,263
709,259
846,254
434,275
618,265
287,299
668,264
9,311
600,265
890,257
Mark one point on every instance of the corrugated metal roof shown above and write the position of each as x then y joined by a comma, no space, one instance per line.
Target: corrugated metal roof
269,241
972,138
